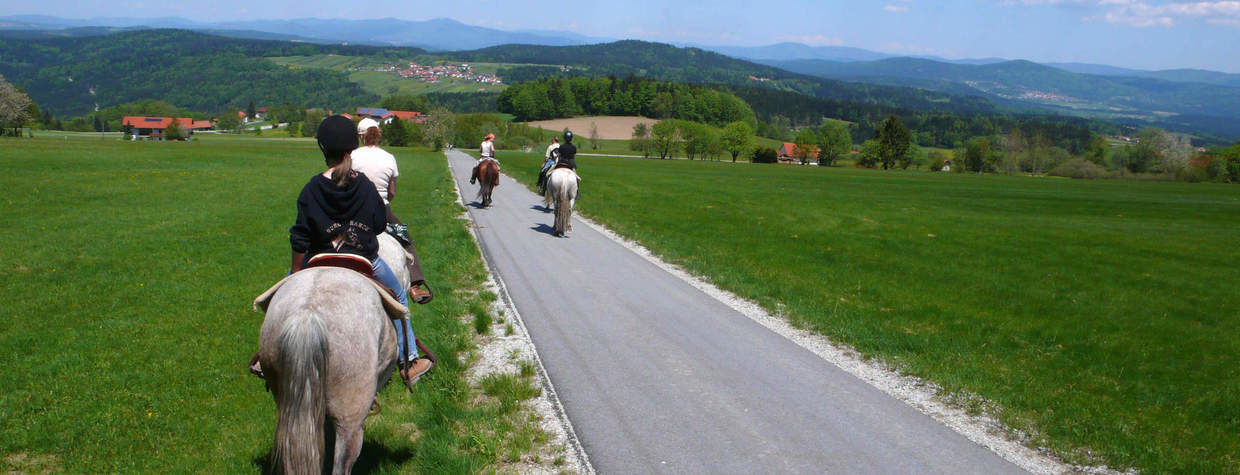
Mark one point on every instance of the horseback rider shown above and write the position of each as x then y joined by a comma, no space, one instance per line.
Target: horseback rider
485,152
340,211
568,153
552,156
380,166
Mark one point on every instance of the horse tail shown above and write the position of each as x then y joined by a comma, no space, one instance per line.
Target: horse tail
563,204
302,395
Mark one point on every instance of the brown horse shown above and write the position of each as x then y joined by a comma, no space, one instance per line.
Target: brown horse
487,172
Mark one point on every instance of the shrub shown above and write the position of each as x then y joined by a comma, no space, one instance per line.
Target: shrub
1079,168
765,155
1191,174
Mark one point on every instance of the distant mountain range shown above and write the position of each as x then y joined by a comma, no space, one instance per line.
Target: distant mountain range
440,34
1183,98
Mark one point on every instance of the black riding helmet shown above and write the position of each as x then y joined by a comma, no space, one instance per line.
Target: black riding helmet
337,136
568,136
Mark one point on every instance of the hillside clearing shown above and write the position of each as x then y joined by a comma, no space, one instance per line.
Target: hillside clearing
609,127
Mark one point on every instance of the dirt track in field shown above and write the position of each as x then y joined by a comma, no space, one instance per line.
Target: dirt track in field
612,128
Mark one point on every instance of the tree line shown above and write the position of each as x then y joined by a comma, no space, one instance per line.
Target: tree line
567,97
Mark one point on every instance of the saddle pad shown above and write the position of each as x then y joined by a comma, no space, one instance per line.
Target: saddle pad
395,310
352,262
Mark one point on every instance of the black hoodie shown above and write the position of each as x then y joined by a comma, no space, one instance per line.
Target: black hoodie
354,211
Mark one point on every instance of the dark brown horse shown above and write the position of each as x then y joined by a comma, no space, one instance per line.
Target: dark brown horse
487,172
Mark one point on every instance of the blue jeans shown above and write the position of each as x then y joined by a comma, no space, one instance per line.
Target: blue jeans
403,332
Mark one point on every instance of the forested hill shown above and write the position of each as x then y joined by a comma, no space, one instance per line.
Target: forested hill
1039,84
665,62
72,76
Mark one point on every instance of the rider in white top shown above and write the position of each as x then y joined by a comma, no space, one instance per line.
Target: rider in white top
380,167
376,163
488,148
552,156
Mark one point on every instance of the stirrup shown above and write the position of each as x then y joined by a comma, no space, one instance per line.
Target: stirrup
429,291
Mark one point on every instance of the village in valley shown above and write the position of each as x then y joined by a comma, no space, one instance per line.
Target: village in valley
436,73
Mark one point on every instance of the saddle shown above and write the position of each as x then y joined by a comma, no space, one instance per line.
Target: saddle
395,310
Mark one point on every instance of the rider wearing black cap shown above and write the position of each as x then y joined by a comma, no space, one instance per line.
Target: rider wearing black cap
340,211
568,152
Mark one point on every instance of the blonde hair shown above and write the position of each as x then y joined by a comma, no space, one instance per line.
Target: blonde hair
342,171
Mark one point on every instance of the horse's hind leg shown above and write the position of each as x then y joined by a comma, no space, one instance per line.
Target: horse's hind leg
348,444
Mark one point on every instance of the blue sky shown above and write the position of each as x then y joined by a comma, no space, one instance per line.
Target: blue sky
1145,34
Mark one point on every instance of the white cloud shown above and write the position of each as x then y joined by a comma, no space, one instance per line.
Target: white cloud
1147,13
896,8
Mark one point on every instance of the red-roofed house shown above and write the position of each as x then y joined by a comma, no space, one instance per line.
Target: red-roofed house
154,127
412,116
788,153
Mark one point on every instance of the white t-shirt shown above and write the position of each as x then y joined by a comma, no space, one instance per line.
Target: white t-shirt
378,165
487,150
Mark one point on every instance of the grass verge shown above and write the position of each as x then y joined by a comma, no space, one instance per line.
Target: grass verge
1096,317
129,269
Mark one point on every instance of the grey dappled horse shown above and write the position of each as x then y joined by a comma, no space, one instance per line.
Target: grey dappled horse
327,347
562,192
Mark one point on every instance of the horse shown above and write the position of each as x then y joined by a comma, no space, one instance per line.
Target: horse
488,176
562,191
327,346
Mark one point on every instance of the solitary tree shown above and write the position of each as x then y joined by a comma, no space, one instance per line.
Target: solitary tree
834,142
737,139
14,107
893,140
869,155
641,139
593,136
439,127
249,110
665,138
806,143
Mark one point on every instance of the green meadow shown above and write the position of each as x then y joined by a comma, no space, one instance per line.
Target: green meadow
129,271
1098,318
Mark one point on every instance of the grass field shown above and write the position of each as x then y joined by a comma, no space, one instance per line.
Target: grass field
129,269
1097,317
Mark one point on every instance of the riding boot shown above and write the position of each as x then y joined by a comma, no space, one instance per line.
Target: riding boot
256,368
473,176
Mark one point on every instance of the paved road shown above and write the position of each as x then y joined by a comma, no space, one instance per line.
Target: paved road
657,376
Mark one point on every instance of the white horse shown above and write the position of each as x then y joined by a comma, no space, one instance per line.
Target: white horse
562,191
327,346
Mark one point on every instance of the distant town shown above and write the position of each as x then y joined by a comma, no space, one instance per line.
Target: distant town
436,73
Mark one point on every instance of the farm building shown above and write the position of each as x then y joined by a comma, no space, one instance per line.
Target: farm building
154,127
412,116
788,153
259,113
385,116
